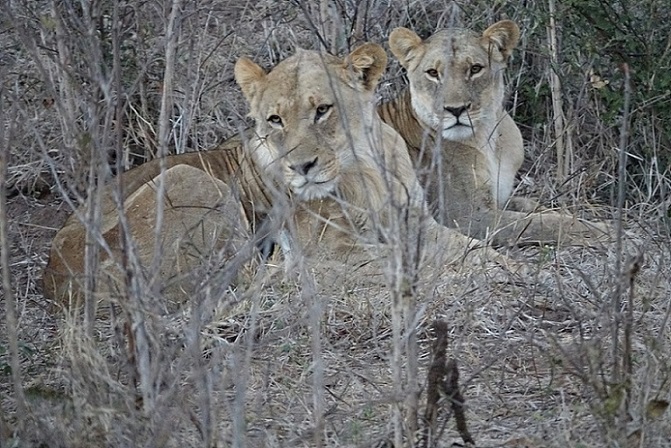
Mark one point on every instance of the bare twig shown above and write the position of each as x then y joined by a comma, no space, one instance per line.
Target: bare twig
454,395
139,327
625,363
563,142
5,428
9,298
68,122
622,173
359,27
317,30
397,364
315,318
627,357
95,146
435,380
443,379
412,356
329,21
164,126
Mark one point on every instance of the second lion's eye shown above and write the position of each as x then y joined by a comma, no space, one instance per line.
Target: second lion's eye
275,120
476,68
432,73
322,110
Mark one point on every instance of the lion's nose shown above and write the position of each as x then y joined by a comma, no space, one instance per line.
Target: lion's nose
304,168
457,111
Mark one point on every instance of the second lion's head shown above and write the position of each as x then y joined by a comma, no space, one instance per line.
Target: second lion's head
456,76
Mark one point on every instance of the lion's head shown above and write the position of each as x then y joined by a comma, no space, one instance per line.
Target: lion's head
314,116
456,77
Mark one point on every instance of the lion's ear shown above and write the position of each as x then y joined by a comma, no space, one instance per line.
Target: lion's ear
368,62
505,35
249,76
404,43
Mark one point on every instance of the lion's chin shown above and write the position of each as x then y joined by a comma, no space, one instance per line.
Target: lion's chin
311,191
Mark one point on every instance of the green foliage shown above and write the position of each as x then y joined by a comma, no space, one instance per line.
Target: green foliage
635,33
622,32
596,39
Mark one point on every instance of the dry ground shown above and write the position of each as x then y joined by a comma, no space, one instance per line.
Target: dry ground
536,356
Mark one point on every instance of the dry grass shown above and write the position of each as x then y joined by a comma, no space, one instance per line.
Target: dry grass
303,360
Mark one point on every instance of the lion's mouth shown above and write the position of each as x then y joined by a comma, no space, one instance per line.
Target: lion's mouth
307,189
308,182
464,119
458,124
458,131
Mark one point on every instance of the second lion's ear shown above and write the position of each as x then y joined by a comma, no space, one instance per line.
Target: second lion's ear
249,77
368,62
404,43
504,35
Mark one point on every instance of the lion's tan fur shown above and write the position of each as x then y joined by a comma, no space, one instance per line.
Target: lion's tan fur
468,171
211,199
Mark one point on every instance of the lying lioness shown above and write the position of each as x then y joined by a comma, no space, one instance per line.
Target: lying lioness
208,204
319,138
465,146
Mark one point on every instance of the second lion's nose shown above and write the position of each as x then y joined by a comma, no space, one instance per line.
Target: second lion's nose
304,168
457,111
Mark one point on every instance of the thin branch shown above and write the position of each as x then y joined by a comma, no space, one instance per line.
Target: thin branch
397,364
627,358
454,395
164,124
622,179
435,379
563,142
10,299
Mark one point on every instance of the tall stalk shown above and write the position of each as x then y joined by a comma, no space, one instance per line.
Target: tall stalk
10,300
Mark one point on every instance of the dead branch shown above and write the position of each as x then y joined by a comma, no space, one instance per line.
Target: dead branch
622,161
10,300
442,380
563,142
451,389
435,378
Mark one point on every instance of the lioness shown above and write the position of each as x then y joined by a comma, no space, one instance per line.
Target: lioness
211,202
465,146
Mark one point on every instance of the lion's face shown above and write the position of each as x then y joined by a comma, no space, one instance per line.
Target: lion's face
312,113
456,76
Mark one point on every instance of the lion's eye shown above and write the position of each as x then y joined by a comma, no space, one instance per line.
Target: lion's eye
275,120
476,68
322,110
433,73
